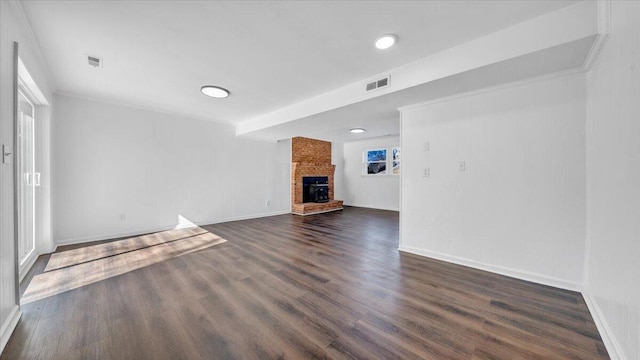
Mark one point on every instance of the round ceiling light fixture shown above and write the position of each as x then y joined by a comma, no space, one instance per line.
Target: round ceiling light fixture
386,41
357,130
215,91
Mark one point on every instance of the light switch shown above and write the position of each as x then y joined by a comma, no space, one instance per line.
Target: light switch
425,146
426,172
461,166
6,154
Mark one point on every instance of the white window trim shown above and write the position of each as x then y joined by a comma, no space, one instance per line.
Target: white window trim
388,162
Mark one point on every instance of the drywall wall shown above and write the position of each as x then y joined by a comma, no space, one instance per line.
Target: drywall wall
371,191
337,159
518,208
13,28
122,170
613,184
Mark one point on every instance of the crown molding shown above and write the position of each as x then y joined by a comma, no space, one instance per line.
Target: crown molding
141,107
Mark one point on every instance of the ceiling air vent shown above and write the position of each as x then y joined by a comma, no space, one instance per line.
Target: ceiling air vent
94,61
384,82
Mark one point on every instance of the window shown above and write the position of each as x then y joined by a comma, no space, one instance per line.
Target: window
375,162
396,160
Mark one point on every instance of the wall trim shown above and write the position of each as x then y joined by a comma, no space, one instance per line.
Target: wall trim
27,265
149,108
370,207
91,238
613,347
20,15
8,326
510,272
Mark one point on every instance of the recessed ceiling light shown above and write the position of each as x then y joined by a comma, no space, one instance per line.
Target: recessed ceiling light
357,130
215,91
386,41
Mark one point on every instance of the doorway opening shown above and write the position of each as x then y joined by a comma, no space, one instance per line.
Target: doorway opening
31,145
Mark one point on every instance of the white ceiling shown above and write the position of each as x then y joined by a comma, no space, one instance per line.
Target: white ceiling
380,116
269,54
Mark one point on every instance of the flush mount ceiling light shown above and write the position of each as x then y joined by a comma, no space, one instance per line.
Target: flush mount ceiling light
357,130
386,41
215,91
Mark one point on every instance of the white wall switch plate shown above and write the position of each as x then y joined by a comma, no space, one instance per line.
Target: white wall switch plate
426,172
6,154
461,166
425,146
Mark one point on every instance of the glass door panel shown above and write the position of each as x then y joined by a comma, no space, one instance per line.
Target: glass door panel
26,185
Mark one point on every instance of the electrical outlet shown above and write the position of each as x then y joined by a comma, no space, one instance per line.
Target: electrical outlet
426,172
123,217
461,166
425,146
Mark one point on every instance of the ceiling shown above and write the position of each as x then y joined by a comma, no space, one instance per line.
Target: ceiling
269,54
380,116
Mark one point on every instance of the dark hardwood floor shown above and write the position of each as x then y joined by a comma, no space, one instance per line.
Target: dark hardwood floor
324,286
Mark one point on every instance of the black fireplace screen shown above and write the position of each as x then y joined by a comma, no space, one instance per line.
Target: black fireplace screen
315,189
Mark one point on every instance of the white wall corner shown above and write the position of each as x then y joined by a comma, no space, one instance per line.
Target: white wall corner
8,326
18,11
604,28
613,347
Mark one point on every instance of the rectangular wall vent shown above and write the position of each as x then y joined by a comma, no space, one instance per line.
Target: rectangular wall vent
384,82
94,61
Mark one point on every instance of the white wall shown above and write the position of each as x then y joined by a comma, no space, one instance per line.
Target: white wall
13,27
519,207
152,167
337,159
371,191
613,184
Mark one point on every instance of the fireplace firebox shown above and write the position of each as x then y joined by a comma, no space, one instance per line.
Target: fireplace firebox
315,189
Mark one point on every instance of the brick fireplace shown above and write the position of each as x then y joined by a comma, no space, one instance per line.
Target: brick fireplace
311,158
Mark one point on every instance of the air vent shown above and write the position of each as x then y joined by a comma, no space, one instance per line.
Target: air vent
94,61
384,82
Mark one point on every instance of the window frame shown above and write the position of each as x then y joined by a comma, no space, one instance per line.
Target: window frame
389,161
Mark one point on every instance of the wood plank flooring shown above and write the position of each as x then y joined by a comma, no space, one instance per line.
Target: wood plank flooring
289,287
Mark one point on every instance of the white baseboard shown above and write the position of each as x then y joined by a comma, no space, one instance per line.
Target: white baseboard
245,217
370,207
613,347
514,273
8,326
85,239
24,269
91,238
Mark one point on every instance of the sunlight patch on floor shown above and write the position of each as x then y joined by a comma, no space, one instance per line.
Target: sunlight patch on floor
80,267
